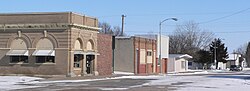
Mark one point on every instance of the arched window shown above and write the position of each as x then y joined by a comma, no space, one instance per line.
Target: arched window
44,44
78,54
90,46
78,45
45,52
18,52
18,44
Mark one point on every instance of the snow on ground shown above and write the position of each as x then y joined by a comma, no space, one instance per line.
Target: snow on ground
190,73
180,81
12,82
123,73
246,68
195,83
216,83
200,83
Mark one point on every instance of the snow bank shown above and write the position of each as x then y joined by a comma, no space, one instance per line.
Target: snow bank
15,82
123,73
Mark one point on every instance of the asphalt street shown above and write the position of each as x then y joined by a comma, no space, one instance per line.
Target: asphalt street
123,84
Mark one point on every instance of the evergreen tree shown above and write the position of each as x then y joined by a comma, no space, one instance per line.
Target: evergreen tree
218,49
248,54
204,57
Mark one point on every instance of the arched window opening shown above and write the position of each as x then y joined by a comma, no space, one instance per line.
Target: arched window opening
18,52
45,52
90,46
78,54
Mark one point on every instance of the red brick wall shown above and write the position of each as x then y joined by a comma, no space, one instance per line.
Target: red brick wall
150,68
147,44
142,69
104,60
164,65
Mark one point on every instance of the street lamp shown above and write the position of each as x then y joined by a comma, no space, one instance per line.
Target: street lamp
159,59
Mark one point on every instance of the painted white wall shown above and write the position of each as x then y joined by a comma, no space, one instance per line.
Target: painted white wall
149,57
142,56
235,57
221,65
164,46
179,63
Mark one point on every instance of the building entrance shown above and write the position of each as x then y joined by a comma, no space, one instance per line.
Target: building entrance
89,63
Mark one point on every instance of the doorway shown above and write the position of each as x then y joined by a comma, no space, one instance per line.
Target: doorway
89,63
78,59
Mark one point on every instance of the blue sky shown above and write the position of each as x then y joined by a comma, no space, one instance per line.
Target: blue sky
143,16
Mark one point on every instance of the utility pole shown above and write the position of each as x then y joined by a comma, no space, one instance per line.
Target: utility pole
215,54
123,16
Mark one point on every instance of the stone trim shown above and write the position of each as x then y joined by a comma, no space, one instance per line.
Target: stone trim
46,26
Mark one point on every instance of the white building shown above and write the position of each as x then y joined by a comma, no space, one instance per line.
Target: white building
233,59
178,63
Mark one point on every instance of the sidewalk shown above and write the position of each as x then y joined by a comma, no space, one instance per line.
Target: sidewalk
56,78
189,72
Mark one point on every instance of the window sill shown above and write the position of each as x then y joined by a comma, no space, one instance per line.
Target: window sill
77,68
45,63
19,63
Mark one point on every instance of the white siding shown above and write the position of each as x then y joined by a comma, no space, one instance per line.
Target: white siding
149,57
142,56
164,46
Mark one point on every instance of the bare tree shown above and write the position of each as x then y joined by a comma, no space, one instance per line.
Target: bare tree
117,31
189,38
242,49
106,28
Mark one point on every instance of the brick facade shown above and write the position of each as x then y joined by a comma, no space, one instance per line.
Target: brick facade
104,60
163,65
62,29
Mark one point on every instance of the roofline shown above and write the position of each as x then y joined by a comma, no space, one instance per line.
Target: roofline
31,13
40,13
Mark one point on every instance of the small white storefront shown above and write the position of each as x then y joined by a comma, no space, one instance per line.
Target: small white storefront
178,63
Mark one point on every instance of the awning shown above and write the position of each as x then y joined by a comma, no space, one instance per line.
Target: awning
44,53
78,52
17,53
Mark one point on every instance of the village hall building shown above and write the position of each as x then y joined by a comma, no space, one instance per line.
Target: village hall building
54,43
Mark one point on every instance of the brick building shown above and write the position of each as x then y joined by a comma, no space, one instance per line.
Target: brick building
164,51
104,60
135,54
62,43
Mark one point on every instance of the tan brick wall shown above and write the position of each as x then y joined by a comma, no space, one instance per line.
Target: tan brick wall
51,17
34,18
62,39
58,68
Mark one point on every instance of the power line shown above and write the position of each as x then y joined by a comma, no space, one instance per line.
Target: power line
160,14
173,32
220,18
212,20
216,19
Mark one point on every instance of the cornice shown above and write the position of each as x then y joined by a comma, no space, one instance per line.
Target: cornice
6,27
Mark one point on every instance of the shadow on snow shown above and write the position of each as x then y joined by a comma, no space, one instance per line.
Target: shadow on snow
232,77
